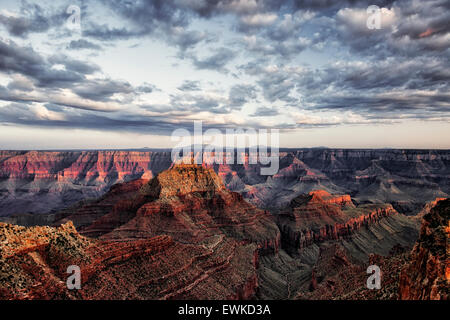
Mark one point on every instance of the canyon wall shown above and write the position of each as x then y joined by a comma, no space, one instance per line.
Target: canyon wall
319,217
184,235
427,275
41,181
181,235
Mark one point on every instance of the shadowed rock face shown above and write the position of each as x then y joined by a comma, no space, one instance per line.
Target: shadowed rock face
319,217
181,235
38,182
187,202
184,235
421,274
427,275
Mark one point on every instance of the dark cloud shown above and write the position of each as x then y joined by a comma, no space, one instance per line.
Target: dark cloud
334,5
54,116
146,88
276,82
185,39
398,72
265,112
102,90
216,61
75,65
33,19
26,61
241,94
36,78
379,76
408,28
39,116
198,102
105,33
390,106
83,44
395,87
211,8
282,50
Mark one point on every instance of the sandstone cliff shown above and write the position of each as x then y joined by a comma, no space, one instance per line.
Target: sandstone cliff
319,216
181,235
427,275
38,181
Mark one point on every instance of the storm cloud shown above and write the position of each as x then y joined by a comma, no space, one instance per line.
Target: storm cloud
283,63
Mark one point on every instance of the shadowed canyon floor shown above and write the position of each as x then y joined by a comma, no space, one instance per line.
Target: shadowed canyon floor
183,235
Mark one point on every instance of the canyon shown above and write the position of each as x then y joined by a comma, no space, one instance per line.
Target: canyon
180,235
183,234
42,181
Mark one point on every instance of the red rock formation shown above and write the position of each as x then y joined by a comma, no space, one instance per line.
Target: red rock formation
38,182
340,279
319,216
427,275
427,208
186,202
34,263
181,235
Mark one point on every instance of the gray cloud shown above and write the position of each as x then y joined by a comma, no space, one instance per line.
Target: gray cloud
189,85
265,112
24,60
82,44
398,72
30,115
55,116
216,61
33,19
241,94
36,78
102,90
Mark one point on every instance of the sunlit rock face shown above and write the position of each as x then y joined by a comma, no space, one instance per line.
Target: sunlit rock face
38,182
319,217
427,275
150,229
187,201
181,235
184,235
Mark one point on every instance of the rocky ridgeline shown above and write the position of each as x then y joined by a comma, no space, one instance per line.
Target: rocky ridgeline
427,275
181,235
154,268
319,216
184,179
17,240
184,235
186,202
33,260
38,181
335,277
420,274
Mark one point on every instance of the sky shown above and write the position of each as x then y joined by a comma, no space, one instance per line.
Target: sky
107,74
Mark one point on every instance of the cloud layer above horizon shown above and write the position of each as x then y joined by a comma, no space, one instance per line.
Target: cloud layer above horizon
150,67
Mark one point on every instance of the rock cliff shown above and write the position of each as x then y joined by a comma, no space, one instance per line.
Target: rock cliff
427,275
39,181
181,235
318,217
